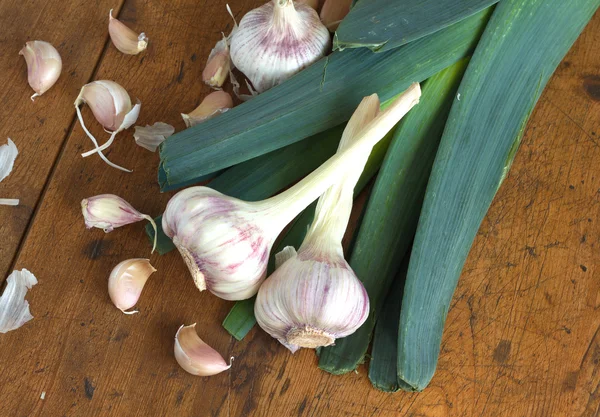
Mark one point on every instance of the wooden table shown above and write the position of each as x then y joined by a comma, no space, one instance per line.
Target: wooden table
523,333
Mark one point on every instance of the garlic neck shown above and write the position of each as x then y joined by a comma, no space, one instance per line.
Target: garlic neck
285,16
308,337
190,261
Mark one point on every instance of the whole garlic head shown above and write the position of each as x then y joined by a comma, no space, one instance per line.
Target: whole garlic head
221,239
277,40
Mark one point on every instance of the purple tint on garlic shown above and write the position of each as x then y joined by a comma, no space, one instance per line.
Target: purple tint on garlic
222,242
308,303
108,211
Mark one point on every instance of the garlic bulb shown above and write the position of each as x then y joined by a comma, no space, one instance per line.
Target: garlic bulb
195,356
109,211
314,297
125,39
225,242
43,66
213,104
14,309
127,281
333,12
277,40
149,137
218,64
112,108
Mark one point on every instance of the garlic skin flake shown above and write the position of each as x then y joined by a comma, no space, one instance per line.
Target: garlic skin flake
150,137
214,104
8,154
9,201
14,309
125,39
109,211
277,40
314,297
218,64
127,281
111,105
43,66
225,242
195,356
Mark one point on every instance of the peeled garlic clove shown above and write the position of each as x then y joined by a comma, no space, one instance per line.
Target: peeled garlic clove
126,282
111,105
333,12
14,309
125,39
8,154
195,356
277,40
43,65
150,137
218,64
109,211
213,104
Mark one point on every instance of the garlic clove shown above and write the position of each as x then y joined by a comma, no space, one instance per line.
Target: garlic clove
127,281
150,137
195,356
333,12
8,154
14,309
108,101
125,39
43,66
277,40
109,211
111,105
213,104
218,64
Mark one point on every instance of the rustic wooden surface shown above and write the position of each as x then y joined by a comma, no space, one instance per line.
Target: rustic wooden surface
523,333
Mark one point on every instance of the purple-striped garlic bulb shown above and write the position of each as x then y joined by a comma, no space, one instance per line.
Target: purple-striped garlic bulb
277,40
226,242
314,297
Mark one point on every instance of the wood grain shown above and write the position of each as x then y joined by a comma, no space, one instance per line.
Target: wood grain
40,128
523,333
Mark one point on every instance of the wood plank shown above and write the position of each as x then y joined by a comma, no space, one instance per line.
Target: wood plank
522,334
39,129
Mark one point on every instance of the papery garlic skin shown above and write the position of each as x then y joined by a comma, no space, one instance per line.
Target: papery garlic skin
126,282
311,300
8,154
218,64
14,309
215,103
109,211
125,39
44,66
195,356
277,40
221,242
9,201
150,137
